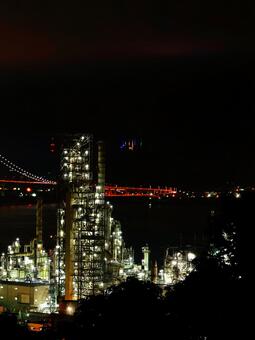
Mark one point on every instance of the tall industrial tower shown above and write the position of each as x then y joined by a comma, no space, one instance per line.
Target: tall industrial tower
82,220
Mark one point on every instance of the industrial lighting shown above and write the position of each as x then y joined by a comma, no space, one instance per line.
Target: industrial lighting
191,256
69,310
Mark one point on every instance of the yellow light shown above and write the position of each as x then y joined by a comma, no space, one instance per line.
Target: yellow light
69,310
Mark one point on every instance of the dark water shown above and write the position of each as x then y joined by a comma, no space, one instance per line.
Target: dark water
20,220
169,223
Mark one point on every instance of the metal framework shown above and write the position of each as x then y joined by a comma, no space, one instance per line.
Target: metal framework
81,235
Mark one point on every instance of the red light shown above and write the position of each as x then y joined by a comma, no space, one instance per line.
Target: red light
28,189
52,147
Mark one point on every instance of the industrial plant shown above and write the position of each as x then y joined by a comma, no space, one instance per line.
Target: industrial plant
90,253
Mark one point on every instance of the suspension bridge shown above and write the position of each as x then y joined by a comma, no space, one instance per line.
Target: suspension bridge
25,178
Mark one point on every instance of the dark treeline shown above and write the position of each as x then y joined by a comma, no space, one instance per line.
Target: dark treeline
211,303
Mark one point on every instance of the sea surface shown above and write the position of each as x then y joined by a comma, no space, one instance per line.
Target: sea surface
159,224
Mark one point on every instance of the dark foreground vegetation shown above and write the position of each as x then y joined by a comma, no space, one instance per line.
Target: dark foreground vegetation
214,302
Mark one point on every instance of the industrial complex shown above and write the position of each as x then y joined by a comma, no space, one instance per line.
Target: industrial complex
90,253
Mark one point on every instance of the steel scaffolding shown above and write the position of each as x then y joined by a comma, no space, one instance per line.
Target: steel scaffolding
81,229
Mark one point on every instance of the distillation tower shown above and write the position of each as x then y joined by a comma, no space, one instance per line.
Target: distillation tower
89,240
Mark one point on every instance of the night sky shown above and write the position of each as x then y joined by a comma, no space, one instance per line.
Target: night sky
178,74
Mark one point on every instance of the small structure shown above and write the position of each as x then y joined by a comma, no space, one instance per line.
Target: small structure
24,296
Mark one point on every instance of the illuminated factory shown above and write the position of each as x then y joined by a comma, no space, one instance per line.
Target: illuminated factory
90,250
25,273
177,266
90,254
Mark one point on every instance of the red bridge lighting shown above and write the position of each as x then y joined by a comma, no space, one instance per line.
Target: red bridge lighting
26,182
113,190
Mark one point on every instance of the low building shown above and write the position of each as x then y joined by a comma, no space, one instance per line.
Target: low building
24,296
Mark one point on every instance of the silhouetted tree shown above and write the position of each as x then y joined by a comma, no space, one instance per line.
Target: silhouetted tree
132,307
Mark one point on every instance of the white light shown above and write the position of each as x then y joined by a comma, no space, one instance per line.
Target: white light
191,256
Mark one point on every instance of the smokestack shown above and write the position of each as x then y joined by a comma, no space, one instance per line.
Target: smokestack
39,207
69,255
38,244
101,167
154,276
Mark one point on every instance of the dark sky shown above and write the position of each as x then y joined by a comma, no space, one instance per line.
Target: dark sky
180,74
